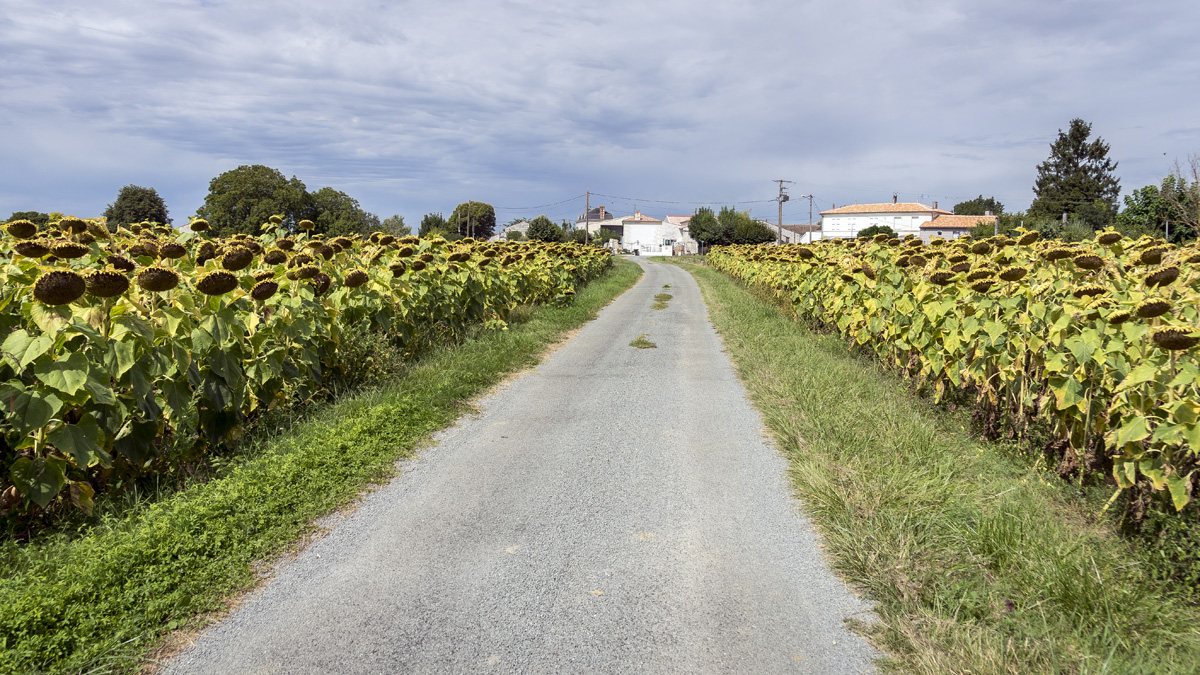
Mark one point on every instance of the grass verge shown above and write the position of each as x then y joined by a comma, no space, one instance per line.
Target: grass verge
977,562
96,603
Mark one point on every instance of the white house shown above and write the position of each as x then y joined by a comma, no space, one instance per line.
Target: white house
685,244
649,236
502,234
903,217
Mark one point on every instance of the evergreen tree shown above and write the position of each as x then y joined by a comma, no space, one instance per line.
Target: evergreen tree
1078,179
136,204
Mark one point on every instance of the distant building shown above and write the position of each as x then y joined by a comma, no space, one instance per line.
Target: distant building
903,217
502,234
799,234
594,215
953,226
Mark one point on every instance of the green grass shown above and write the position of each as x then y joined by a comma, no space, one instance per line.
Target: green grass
97,602
642,343
977,561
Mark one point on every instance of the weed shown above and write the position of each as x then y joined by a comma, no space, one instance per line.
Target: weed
642,343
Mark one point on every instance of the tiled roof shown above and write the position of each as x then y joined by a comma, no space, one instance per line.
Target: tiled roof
801,229
886,207
639,218
946,222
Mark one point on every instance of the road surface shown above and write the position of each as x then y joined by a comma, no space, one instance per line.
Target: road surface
614,510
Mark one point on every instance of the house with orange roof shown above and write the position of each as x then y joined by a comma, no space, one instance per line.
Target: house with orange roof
903,217
954,226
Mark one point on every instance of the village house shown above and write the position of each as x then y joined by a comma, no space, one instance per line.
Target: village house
903,217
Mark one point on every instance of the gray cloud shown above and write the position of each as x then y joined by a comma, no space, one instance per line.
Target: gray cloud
415,106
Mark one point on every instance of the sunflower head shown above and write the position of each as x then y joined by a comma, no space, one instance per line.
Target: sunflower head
1013,273
917,260
1152,307
275,257
307,271
1087,261
59,287
72,225
306,225
106,283
286,244
275,220
942,277
321,283
1088,291
157,279
1174,338
960,267
21,229
355,278
172,250
198,225
1029,238
1152,256
32,248
1108,238
1057,253
263,290
418,265
236,258
1162,277
982,285
69,249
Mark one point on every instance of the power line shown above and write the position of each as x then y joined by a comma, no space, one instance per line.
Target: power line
666,201
542,206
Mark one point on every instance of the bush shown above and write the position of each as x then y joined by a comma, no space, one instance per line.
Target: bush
877,229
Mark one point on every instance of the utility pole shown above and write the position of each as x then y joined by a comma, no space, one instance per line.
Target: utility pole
783,197
470,228
587,216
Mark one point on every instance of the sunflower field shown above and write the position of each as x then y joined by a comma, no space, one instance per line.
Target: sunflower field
1093,345
129,353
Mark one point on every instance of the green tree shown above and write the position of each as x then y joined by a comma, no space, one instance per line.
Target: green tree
337,214
979,207
1169,211
35,217
602,235
479,223
394,225
868,232
1077,179
515,235
136,204
703,227
242,199
432,224
754,232
543,229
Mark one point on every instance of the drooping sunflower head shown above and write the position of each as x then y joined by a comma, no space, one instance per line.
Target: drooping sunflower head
1152,256
236,258
325,251
172,250
397,268
1152,307
198,225
1119,317
307,271
263,290
942,277
418,265
106,283
1057,253
157,279
121,263
275,220
72,225
960,267
355,278
918,260
306,225
21,229
59,287
1013,273
321,283
1162,277
1175,338
1089,290
275,257
1108,237
1087,261
32,248
217,282
1029,238
286,244
982,285
69,249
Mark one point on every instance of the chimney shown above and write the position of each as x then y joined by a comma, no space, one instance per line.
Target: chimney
895,196
935,206
988,213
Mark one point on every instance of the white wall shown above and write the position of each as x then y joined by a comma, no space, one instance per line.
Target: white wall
848,225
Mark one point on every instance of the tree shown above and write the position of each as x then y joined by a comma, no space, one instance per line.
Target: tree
753,232
603,235
35,217
432,224
337,214
242,199
979,207
394,225
515,235
1077,179
703,226
1170,211
479,223
136,204
543,229
873,230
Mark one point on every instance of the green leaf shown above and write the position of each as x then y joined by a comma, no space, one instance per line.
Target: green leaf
31,410
66,374
1152,469
1179,492
1133,431
39,479
1139,375
202,341
120,357
136,440
79,441
101,392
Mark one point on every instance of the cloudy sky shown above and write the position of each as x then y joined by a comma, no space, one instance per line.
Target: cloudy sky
413,107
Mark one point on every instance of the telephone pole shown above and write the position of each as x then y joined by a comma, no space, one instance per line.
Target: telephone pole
587,216
783,197
470,229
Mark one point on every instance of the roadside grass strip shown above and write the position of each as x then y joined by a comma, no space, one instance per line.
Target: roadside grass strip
99,602
978,562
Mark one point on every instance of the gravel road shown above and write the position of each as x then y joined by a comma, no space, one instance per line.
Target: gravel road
614,510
